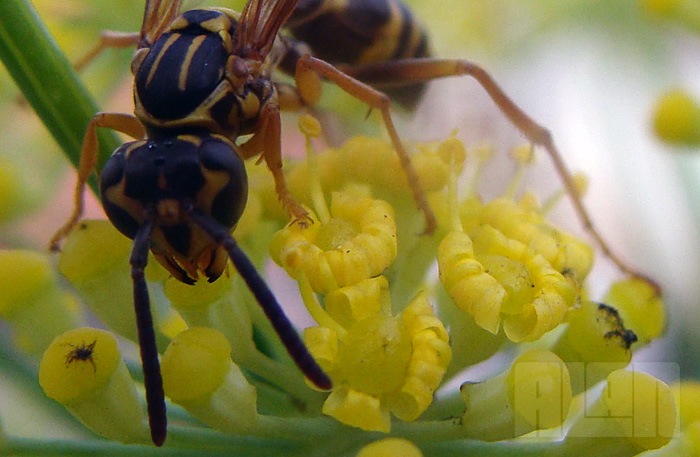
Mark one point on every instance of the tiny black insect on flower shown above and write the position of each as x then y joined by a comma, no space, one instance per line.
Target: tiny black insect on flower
626,337
82,352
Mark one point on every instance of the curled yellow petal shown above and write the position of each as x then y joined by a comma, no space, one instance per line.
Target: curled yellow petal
357,409
359,242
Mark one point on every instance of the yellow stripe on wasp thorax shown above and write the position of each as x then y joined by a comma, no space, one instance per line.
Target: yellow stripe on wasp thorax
171,40
185,67
193,139
134,145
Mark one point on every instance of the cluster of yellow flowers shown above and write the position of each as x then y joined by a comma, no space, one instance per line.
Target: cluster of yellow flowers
391,328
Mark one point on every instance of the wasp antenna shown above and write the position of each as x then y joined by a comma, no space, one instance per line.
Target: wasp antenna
284,328
153,381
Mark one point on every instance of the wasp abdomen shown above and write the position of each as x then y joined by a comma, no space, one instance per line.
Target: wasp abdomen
360,31
180,71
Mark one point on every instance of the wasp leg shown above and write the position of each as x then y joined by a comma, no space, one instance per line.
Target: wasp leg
295,346
266,140
308,82
422,70
124,123
153,381
108,39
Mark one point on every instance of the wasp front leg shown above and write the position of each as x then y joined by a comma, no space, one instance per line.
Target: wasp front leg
267,141
413,71
123,123
308,73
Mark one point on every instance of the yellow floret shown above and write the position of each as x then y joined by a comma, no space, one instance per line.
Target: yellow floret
649,401
677,118
350,304
687,396
25,274
383,365
539,388
357,409
514,284
83,370
359,242
77,363
195,364
534,394
199,375
390,447
640,306
472,289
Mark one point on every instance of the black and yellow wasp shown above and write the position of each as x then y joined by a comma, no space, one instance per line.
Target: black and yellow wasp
204,78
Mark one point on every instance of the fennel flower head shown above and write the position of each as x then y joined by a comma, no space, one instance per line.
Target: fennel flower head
399,316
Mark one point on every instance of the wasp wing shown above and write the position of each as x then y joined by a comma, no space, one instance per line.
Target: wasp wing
156,18
259,24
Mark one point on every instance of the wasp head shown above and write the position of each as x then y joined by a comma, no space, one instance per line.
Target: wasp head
163,173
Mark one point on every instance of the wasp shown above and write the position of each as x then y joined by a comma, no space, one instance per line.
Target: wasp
205,78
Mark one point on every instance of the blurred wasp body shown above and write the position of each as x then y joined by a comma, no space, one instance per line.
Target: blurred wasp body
203,79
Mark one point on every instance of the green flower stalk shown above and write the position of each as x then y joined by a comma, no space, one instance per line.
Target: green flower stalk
534,394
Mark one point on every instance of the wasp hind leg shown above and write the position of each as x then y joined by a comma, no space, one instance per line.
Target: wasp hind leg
423,70
309,69
108,40
124,123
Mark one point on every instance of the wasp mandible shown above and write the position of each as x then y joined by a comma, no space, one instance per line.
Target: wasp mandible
204,78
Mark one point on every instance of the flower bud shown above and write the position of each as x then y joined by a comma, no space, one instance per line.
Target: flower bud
82,369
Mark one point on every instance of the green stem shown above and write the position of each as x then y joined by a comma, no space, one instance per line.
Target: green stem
214,441
296,428
286,377
466,448
243,447
47,80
